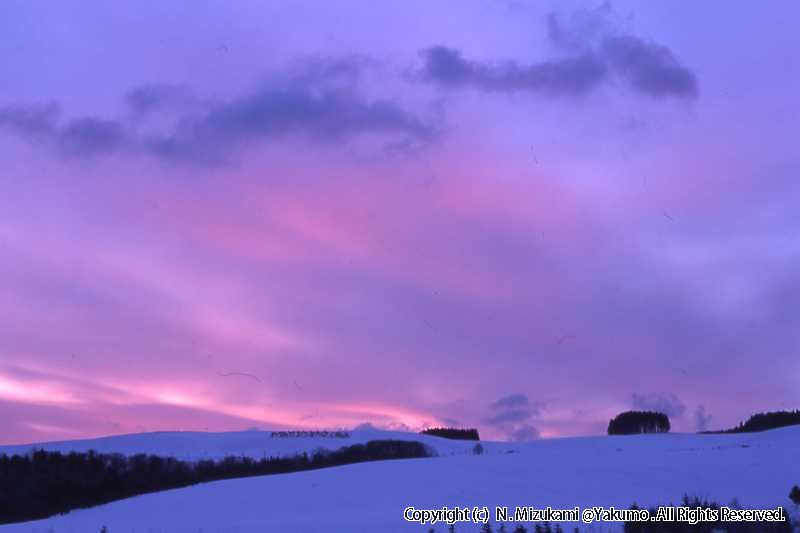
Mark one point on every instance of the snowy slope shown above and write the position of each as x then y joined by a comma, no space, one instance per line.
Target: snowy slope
758,469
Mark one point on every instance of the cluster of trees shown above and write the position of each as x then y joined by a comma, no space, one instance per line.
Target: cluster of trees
453,433
632,422
765,421
41,484
306,434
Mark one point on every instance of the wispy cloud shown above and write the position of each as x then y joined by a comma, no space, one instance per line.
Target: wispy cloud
569,76
316,99
511,415
701,418
594,52
669,403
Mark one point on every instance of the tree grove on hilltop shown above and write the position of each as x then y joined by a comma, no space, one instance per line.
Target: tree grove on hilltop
633,422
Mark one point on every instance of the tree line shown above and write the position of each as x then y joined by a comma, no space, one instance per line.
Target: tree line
306,434
43,483
764,421
453,433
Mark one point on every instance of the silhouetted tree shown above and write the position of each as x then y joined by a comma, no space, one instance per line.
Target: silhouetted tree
632,422
794,495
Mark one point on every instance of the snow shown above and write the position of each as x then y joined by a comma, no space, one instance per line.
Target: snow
191,445
758,469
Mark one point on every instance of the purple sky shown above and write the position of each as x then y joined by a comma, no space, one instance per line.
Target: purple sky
523,217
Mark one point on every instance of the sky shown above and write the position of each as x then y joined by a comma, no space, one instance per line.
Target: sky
523,217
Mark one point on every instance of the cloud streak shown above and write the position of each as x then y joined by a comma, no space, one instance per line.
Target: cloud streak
318,100
570,76
649,68
331,115
597,54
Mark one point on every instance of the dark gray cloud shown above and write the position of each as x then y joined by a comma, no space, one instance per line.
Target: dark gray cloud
669,404
512,401
90,136
276,112
571,75
649,67
511,409
33,122
318,99
594,53
81,136
509,415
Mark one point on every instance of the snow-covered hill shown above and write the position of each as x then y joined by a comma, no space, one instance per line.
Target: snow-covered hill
190,445
757,469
